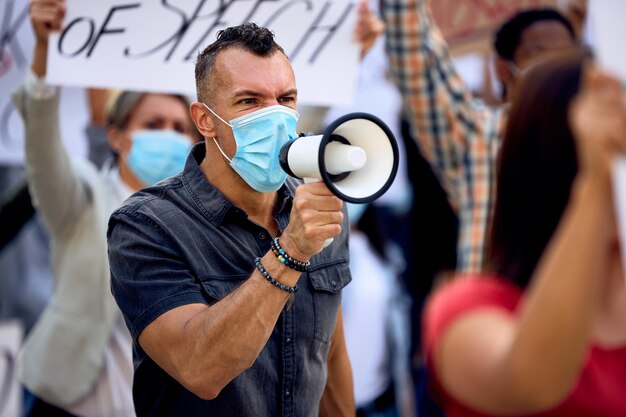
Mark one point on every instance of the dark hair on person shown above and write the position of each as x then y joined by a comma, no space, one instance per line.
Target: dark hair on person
509,36
249,36
536,168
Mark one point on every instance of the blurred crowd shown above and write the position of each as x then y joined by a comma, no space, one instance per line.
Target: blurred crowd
487,281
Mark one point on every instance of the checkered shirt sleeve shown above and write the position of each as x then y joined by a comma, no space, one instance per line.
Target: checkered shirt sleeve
456,133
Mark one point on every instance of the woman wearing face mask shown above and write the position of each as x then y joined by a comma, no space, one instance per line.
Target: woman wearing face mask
77,359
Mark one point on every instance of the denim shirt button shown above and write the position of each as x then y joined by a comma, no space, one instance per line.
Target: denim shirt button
288,340
333,284
261,235
287,393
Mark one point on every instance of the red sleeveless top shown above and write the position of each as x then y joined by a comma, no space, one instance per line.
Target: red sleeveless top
601,387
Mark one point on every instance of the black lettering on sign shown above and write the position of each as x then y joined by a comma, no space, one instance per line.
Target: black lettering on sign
318,26
104,30
91,41
186,22
83,34
68,29
8,32
218,21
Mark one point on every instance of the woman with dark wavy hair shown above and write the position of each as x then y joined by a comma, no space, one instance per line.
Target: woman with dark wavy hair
543,333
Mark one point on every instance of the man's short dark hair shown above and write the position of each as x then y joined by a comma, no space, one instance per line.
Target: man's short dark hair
249,37
509,36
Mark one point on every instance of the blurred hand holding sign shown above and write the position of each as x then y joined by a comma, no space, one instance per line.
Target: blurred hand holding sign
152,45
608,33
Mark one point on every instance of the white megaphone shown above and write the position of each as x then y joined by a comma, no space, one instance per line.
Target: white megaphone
356,157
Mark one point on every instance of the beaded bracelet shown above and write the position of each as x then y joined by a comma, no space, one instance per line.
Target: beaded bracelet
263,271
288,260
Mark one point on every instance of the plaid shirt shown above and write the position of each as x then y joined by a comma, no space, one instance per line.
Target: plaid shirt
456,133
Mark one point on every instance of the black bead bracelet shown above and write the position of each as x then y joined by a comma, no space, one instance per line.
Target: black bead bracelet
287,260
267,276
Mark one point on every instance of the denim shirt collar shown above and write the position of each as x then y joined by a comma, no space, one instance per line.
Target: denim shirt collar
214,204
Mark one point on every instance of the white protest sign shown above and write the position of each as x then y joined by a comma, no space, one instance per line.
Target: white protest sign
16,46
10,388
608,33
151,45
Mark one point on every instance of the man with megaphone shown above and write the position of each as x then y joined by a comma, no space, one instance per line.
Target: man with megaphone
220,271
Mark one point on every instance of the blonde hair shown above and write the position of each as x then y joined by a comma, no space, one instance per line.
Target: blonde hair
121,104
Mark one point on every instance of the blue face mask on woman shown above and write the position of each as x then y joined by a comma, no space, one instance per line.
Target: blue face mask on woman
259,137
157,154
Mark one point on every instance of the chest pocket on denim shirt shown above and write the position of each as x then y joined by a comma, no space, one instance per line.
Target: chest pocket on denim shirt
219,286
327,280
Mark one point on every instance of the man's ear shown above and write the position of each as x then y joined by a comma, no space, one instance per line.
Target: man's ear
201,119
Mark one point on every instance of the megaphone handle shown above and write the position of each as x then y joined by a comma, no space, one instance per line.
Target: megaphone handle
328,241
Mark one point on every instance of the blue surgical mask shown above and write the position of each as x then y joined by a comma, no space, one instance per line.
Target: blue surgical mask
157,154
259,136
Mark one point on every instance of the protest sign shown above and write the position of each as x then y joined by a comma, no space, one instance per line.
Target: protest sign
469,25
16,46
10,387
606,23
608,32
152,45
